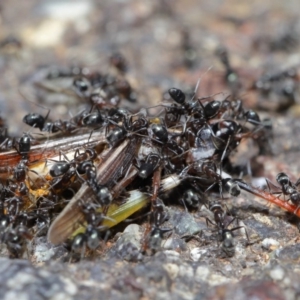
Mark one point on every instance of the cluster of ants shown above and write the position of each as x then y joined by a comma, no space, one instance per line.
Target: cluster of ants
81,178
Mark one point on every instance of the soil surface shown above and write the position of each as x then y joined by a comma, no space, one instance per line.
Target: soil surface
166,43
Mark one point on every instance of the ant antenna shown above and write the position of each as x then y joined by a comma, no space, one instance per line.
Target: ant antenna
199,81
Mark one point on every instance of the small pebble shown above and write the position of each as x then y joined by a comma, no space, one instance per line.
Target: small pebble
270,244
20,280
202,273
172,254
43,252
186,271
196,253
70,287
128,244
133,229
174,244
277,273
172,270
15,295
185,224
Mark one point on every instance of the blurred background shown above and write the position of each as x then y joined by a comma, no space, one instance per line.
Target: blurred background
166,43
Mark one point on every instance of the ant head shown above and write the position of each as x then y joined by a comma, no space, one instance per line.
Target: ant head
282,178
60,168
78,242
211,109
34,120
252,117
81,85
92,237
214,205
159,132
93,119
231,187
116,136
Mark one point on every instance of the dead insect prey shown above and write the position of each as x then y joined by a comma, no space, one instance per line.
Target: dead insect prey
74,180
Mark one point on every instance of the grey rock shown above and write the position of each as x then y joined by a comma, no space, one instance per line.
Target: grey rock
184,224
269,243
128,245
289,253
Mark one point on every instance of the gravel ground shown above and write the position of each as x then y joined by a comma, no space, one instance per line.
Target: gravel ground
167,43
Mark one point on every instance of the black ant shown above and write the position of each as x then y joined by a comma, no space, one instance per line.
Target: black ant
192,197
288,188
119,133
14,206
160,135
286,185
63,171
194,107
118,60
225,135
45,208
155,233
151,163
102,192
206,171
91,237
62,167
231,77
225,235
81,164
15,240
67,126
40,122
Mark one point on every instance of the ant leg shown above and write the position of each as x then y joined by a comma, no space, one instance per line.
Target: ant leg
269,184
144,242
130,220
65,156
210,221
249,169
210,187
82,252
154,206
185,207
239,227
155,185
231,221
193,236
